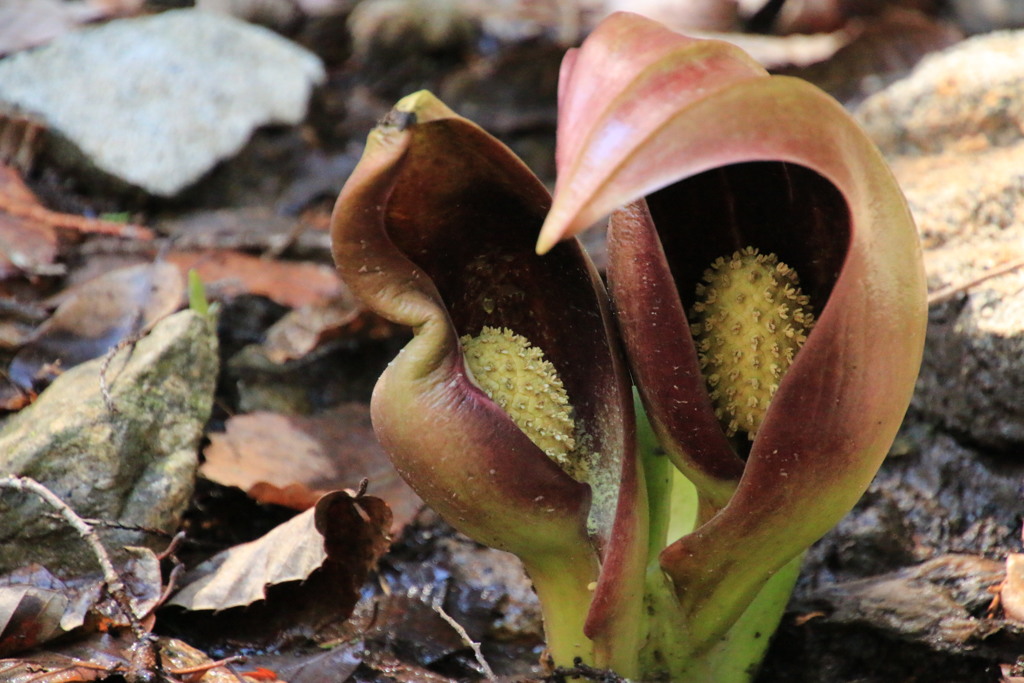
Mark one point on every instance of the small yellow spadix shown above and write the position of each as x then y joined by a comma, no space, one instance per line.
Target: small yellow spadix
515,375
749,320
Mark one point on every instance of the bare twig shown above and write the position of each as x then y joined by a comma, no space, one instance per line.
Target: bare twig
581,670
203,668
172,585
115,586
477,652
128,342
40,214
281,243
108,400
144,656
172,547
946,293
120,526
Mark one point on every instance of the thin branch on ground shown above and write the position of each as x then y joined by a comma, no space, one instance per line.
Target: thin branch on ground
119,526
946,293
144,660
128,342
17,205
114,584
579,670
477,652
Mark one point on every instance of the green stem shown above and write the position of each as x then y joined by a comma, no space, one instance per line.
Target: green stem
671,652
683,508
658,476
565,590
736,658
664,656
672,500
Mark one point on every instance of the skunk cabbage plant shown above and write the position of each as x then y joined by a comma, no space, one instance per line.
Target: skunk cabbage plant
766,300
510,411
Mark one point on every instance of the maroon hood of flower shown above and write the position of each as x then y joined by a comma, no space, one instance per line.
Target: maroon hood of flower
729,157
435,230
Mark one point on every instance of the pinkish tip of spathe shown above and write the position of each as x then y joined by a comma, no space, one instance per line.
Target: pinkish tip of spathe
555,229
545,242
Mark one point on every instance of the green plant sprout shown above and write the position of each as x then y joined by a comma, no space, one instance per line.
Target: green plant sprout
116,217
197,300
758,250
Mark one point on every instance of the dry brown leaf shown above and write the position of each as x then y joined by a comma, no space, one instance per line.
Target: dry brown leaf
240,575
1011,594
101,656
356,535
880,49
28,23
36,606
228,274
181,657
144,587
354,532
28,240
304,329
267,454
336,663
97,315
293,496
387,664
280,450
355,529
251,229
13,397
26,246
17,200
29,616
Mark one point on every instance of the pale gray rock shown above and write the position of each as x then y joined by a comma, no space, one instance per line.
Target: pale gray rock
970,213
967,97
969,209
965,199
155,102
980,16
953,133
972,378
134,465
